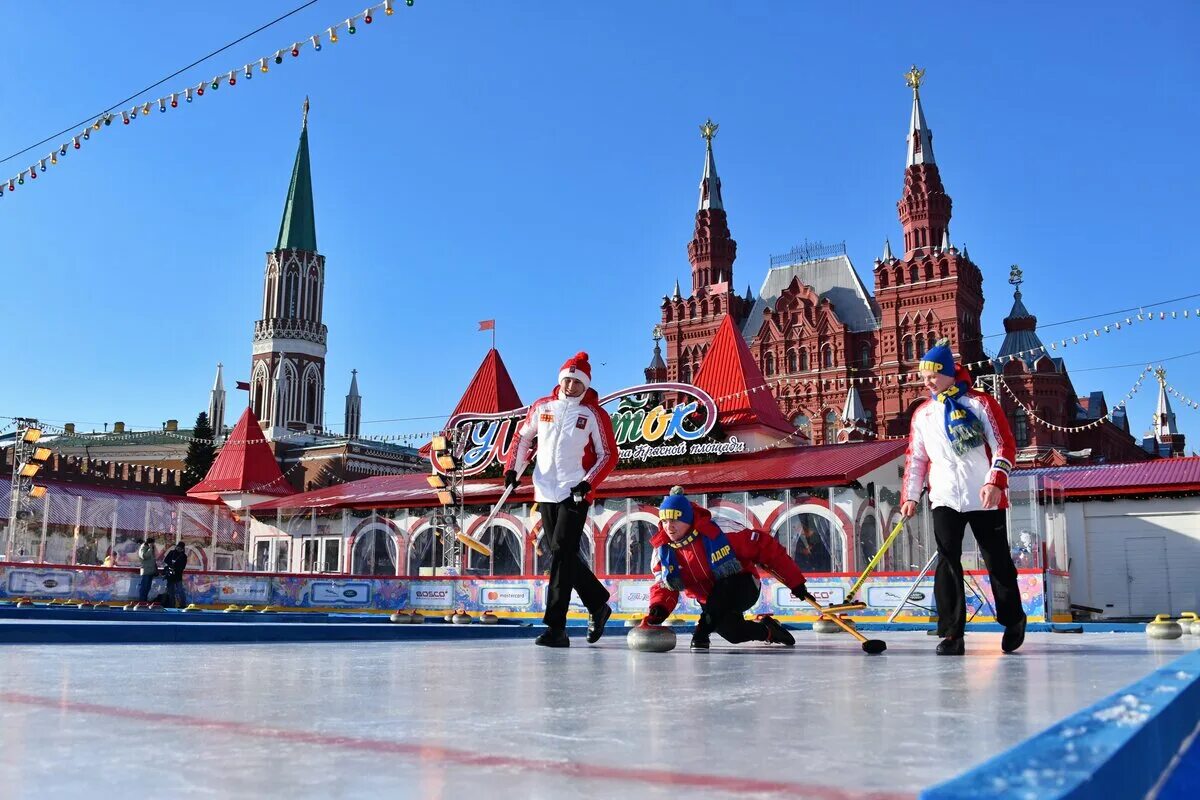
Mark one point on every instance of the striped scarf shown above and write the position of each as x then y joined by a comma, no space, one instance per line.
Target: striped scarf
962,426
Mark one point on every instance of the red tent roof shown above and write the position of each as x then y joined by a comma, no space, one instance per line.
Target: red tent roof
489,392
795,468
245,464
730,375
1159,476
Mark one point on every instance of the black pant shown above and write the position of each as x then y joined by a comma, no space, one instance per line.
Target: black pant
991,533
176,596
563,525
724,610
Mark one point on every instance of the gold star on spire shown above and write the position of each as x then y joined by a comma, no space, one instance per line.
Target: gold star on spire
709,129
914,77
1161,374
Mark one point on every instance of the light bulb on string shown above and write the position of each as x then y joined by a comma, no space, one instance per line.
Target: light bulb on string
316,43
174,100
295,49
62,150
32,174
387,8
108,118
278,56
11,188
350,26
87,133
53,159
216,84
262,65
233,77
408,3
187,94
96,124
162,106
43,165
367,16
249,72
21,179
333,34
76,142
146,109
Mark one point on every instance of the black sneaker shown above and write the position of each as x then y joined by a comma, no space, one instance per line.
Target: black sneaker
596,623
700,641
1014,636
553,637
776,633
952,647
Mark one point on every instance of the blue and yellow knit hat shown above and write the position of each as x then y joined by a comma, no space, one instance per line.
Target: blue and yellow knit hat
939,359
675,506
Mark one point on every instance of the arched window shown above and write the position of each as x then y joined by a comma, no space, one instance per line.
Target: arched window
929,272
829,433
1021,427
293,293
912,274
541,554
716,305
374,552
629,549
792,363
813,543
864,355
804,359
804,425
769,363
425,550
883,279
908,348
868,540
691,311
685,372
899,276
921,344
506,553
827,356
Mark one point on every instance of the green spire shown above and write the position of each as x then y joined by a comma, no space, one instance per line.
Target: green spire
298,230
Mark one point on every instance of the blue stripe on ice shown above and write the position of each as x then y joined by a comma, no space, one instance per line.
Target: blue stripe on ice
245,632
1118,748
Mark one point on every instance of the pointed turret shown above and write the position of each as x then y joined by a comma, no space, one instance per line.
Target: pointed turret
924,207
657,371
298,230
744,401
712,250
946,239
353,407
1020,327
216,404
887,250
854,418
245,471
676,295
1169,440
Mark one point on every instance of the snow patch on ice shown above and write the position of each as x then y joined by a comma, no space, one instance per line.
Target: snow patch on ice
1070,733
1127,711
1184,676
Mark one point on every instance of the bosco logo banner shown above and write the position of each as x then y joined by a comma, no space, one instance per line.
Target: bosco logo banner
431,595
40,582
825,595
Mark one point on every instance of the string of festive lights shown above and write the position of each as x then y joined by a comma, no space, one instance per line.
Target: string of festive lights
188,94
1033,417
1187,401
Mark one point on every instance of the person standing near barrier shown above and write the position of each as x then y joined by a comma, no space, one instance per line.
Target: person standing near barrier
961,446
149,569
174,565
575,451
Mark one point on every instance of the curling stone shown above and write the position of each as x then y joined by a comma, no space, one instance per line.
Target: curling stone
488,618
461,617
190,607
1163,627
1190,623
24,603
247,607
400,618
268,610
829,626
229,609
417,618
651,639
129,607
154,607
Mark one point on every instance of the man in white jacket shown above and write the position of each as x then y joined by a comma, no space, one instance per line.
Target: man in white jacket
576,449
960,443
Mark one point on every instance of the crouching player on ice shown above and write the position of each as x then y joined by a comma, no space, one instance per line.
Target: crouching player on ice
719,570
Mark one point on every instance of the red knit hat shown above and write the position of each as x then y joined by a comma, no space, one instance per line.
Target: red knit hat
577,367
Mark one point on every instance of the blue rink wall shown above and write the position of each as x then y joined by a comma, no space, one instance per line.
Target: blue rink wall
523,595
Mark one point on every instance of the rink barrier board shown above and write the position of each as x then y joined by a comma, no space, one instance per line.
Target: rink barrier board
1120,747
509,595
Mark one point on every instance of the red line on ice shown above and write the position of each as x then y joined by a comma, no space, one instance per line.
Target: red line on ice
462,757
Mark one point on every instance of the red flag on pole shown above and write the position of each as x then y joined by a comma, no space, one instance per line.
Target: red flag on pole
487,325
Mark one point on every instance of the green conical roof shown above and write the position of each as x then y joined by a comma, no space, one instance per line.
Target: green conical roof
298,230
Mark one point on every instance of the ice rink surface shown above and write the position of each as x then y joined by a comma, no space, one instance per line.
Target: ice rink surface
511,720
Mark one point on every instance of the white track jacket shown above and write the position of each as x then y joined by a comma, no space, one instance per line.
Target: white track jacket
955,480
575,442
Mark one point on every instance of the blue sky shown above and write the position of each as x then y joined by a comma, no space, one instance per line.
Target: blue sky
538,163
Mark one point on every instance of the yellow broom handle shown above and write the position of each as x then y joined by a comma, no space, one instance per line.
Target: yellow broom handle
875,560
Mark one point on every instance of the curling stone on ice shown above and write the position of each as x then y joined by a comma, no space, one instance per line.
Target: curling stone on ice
461,617
826,625
229,609
1163,627
651,639
1190,622
417,618
190,607
401,618
488,618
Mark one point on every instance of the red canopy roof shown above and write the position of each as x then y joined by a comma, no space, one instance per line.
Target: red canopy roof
489,392
245,464
795,468
730,375
1159,476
